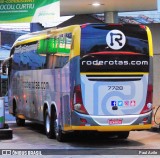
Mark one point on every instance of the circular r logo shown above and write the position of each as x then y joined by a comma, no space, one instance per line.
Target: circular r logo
115,39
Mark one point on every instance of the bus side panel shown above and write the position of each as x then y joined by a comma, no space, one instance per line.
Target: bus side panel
33,88
25,88
56,92
74,81
64,109
15,93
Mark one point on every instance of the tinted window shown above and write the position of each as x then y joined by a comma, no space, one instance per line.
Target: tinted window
16,61
60,43
56,61
93,39
26,58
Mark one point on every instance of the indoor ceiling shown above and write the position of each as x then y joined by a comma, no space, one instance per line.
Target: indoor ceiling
72,7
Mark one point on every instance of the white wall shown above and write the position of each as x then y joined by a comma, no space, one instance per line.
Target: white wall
155,29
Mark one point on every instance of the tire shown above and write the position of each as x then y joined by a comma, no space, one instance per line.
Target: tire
20,122
60,136
49,125
14,108
6,134
123,135
6,126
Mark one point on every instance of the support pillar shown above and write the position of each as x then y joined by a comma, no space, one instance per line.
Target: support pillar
111,17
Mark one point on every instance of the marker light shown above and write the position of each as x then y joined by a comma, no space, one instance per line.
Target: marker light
148,104
77,103
145,120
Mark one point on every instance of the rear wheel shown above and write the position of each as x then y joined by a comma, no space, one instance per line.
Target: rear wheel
20,122
60,136
123,135
49,125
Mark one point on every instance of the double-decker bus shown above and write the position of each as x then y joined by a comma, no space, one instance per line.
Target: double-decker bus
91,77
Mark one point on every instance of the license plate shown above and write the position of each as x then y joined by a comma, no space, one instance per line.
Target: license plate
115,121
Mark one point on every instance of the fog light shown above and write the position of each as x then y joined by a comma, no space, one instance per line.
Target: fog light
83,120
145,120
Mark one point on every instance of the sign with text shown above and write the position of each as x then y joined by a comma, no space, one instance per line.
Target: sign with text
22,10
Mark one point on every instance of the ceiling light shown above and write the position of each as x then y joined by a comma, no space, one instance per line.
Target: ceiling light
96,4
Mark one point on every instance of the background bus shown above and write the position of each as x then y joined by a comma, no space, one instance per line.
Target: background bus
93,77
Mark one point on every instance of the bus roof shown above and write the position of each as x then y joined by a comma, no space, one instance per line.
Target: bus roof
31,37
35,36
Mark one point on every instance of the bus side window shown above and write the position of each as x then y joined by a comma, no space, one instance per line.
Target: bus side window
65,60
33,61
60,61
16,61
54,61
57,61
50,61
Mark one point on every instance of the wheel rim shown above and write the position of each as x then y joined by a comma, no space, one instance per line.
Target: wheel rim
47,124
56,127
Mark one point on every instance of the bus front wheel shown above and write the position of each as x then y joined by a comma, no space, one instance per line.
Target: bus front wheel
20,122
49,125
